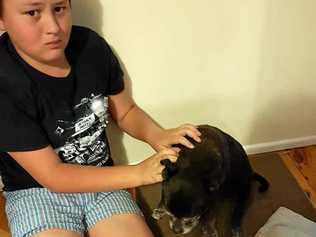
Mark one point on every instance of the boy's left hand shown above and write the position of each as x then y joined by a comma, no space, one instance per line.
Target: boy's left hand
168,137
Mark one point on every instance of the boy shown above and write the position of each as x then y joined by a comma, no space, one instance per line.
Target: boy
58,85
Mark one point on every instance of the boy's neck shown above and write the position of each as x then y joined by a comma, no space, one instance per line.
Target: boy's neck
57,68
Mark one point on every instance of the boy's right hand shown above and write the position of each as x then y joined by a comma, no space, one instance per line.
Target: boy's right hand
150,170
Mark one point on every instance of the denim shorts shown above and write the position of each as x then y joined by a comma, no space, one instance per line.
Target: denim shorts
34,210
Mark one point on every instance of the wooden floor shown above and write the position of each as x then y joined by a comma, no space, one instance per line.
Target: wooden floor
302,164
3,221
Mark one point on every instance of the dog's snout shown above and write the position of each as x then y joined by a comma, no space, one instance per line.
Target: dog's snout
177,229
176,226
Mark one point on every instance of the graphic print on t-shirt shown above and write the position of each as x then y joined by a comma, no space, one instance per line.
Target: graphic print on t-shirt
85,136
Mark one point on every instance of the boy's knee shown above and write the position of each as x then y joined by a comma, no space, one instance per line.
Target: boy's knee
123,225
58,232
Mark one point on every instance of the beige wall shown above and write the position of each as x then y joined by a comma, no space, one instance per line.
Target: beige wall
246,66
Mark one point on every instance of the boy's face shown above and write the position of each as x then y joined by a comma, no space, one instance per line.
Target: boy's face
39,29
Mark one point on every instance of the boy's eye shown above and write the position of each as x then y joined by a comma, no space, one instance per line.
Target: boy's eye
59,9
32,12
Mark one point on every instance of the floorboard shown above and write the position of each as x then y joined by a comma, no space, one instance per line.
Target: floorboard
301,162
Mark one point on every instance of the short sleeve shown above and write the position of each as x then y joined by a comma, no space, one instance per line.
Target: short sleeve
115,73
95,59
19,132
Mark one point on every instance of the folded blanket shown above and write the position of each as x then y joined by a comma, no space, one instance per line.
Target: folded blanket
286,223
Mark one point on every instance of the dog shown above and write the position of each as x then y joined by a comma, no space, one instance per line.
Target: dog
195,186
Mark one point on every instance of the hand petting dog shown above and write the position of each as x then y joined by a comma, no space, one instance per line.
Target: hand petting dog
152,168
168,137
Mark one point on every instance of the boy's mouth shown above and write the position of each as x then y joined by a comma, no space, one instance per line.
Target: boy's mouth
54,44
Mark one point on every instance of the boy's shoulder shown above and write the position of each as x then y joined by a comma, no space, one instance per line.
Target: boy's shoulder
78,29
10,72
82,31
85,43
82,37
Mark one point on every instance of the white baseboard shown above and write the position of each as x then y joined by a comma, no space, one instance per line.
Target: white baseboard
280,145
275,145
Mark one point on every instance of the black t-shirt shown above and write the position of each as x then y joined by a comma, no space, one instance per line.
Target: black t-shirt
70,113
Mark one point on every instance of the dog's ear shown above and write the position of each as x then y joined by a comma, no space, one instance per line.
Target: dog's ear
214,179
212,187
169,170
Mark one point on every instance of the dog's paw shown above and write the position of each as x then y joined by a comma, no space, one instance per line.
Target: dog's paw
158,213
207,233
236,232
214,234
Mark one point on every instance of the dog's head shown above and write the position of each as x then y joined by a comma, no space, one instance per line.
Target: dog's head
183,202
190,187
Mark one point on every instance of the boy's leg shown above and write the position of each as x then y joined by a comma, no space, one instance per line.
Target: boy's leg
57,232
39,212
123,225
115,214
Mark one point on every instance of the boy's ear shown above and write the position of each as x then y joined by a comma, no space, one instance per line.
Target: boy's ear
169,170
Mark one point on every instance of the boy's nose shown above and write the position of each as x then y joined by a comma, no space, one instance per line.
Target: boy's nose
51,23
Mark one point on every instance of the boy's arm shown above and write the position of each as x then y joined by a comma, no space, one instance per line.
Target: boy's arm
46,168
137,123
132,119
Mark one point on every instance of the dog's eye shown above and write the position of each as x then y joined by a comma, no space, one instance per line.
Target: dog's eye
211,188
188,222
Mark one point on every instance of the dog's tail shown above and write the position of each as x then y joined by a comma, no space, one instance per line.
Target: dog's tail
264,184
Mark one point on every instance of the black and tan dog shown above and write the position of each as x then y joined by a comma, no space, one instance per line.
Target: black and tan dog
194,186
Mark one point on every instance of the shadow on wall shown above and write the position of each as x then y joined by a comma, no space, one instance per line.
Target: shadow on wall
91,15
88,14
285,107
